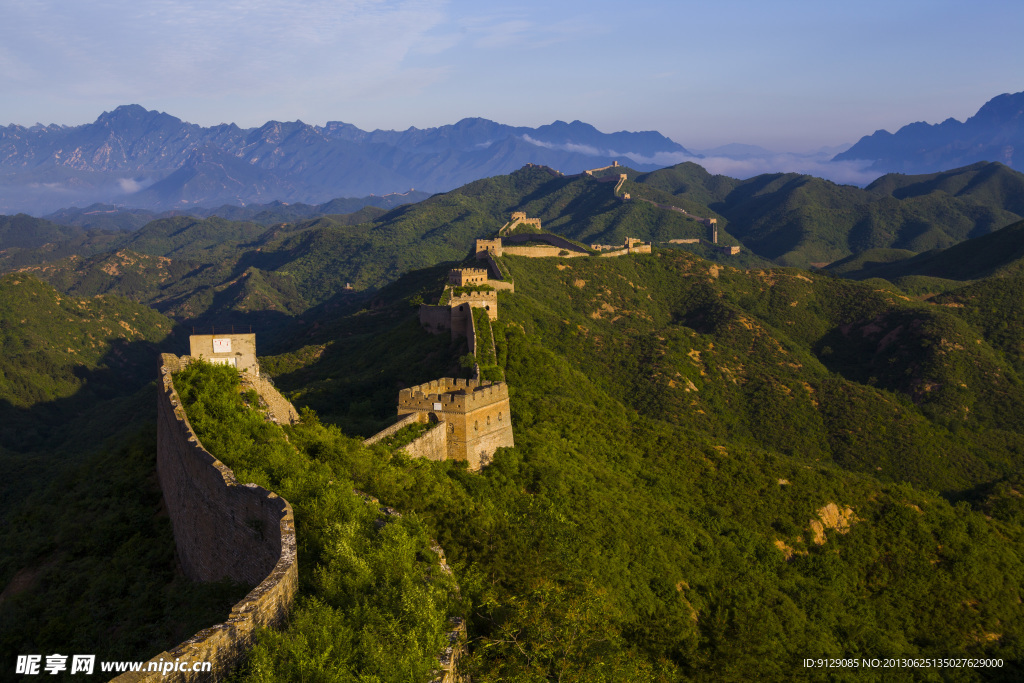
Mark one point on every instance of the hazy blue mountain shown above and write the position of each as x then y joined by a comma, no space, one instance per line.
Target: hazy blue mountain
995,133
152,160
112,217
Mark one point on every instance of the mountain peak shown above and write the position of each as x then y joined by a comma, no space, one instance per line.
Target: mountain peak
994,133
133,112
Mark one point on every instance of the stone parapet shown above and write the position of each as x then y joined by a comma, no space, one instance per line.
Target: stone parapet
451,394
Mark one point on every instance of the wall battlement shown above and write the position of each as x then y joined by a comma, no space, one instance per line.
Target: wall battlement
490,296
221,530
453,394
461,277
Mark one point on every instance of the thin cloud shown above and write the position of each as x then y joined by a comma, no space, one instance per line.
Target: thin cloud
513,31
566,146
844,172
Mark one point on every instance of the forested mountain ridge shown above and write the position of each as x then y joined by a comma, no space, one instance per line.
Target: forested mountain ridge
114,218
244,273
716,470
800,220
228,270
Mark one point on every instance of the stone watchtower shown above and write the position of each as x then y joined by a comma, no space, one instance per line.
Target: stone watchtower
236,350
461,277
476,414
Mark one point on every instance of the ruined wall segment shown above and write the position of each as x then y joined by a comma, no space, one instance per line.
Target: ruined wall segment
221,530
236,350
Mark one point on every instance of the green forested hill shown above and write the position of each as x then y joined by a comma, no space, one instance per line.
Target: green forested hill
717,473
787,218
801,220
50,341
997,253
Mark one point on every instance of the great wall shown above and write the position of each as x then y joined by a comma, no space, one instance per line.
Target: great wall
223,529
243,532
710,223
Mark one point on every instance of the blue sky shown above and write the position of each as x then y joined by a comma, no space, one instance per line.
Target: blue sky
786,75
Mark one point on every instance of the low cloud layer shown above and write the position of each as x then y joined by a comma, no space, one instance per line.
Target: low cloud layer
750,165
844,172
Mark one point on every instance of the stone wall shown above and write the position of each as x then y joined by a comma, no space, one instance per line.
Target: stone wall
412,418
221,530
541,252
279,409
553,240
432,444
497,280
435,319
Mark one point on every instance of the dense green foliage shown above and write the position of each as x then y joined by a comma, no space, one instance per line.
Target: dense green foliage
486,356
90,558
373,603
63,354
679,433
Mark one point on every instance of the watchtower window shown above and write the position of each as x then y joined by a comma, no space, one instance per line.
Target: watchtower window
476,425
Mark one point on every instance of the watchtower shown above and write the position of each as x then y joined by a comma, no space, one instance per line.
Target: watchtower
484,247
476,414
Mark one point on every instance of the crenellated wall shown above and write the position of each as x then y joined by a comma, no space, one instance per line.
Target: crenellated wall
221,530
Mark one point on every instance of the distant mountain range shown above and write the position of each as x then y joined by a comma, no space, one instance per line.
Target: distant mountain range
114,218
147,159
995,133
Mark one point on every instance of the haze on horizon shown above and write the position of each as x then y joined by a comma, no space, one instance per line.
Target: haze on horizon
789,76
